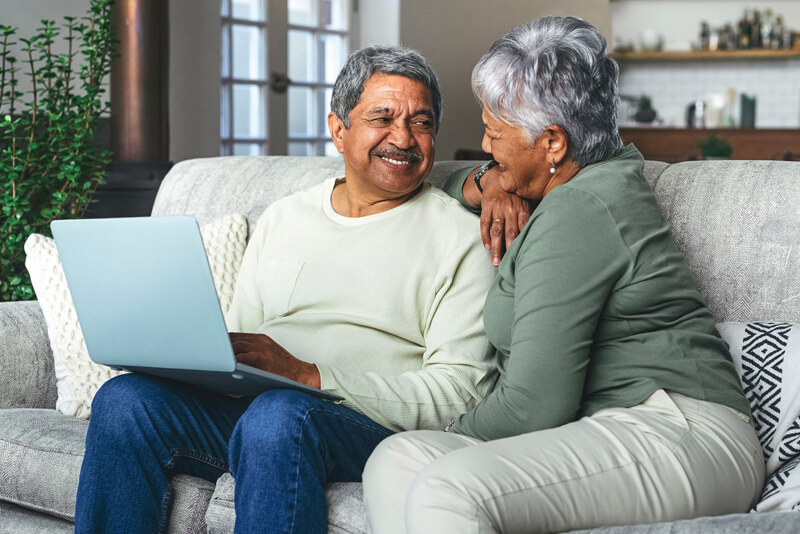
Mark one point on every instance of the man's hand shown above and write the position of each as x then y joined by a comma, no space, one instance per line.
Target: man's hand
512,211
261,351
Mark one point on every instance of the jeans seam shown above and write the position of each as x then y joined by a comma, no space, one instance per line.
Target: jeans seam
376,427
296,461
298,440
201,457
166,505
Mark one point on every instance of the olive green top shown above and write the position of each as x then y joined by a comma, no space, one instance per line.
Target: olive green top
595,307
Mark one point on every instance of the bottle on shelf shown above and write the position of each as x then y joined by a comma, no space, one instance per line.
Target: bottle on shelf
767,26
776,39
755,30
705,36
744,30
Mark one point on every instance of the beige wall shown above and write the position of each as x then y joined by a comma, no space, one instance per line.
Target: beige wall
454,34
194,78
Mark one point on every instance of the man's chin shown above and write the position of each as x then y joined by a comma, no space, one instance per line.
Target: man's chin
400,182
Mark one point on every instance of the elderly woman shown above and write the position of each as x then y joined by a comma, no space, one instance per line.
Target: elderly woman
618,402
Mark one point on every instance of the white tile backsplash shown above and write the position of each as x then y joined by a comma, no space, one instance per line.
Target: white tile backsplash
672,86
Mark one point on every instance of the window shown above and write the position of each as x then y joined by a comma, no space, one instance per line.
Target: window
279,61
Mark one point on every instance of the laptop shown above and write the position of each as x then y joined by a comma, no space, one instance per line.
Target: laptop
146,303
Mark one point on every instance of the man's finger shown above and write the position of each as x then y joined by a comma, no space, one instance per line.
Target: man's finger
247,358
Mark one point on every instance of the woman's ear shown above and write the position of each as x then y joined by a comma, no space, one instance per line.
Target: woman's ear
337,129
556,143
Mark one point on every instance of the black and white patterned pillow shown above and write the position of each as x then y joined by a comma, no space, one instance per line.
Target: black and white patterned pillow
767,357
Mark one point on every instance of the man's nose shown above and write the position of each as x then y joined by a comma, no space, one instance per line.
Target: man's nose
400,135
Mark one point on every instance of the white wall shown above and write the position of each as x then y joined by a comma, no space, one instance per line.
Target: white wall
678,21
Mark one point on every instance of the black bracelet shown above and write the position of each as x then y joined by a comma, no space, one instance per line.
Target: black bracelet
481,171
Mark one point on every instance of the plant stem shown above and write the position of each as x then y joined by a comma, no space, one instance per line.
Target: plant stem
3,70
34,107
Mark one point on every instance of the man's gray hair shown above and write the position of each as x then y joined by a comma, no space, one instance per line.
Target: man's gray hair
554,70
362,64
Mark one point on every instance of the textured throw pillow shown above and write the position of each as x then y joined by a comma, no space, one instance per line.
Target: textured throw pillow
767,357
77,377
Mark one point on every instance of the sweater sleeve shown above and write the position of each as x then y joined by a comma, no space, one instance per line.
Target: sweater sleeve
454,186
459,364
569,262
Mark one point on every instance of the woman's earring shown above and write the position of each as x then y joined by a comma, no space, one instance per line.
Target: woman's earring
553,167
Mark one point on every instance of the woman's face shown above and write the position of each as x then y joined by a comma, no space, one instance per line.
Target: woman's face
524,169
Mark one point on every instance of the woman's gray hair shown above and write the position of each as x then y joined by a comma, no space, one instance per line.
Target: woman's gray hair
554,70
362,64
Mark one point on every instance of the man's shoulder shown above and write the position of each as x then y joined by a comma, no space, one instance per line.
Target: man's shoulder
306,197
443,219
437,200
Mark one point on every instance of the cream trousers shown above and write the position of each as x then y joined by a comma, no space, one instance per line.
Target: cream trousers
671,457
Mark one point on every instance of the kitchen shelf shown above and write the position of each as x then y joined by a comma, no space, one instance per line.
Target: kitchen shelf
707,55
681,144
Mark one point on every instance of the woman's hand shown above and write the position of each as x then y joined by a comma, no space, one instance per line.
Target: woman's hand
262,352
503,215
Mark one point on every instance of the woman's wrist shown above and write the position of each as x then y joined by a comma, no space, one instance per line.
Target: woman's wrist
470,192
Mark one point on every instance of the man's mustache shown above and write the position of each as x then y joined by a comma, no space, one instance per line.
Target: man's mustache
409,155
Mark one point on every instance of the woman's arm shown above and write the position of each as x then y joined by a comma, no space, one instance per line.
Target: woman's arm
503,215
567,266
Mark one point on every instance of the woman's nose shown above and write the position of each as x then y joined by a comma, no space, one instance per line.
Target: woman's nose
486,144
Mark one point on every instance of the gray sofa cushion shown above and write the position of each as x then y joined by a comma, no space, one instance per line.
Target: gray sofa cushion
17,520
772,523
45,450
345,508
26,362
737,223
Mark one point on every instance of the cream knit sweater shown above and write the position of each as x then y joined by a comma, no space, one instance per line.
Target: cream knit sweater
388,306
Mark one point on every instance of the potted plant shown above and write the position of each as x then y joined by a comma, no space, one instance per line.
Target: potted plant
49,164
715,148
644,112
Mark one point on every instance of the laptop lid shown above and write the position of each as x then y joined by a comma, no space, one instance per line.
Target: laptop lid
143,292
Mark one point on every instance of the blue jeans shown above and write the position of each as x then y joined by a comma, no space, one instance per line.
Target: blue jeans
281,447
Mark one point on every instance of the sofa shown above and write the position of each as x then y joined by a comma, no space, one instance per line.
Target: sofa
738,223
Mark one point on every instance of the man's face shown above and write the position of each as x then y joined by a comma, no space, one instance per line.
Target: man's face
389,147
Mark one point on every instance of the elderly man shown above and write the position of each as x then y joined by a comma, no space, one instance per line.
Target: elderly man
370,286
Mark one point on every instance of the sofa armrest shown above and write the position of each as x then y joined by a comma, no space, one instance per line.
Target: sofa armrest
26,360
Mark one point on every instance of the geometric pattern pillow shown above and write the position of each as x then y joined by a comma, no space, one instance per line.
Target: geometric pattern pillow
77,377
767,357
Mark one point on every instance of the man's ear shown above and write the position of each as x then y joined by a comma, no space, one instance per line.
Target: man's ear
337,129
556,143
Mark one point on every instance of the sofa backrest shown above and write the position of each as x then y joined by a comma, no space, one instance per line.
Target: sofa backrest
209,188
737,222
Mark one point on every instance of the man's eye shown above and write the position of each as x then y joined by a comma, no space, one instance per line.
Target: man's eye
382,120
